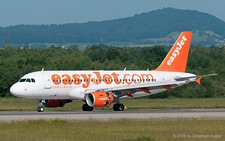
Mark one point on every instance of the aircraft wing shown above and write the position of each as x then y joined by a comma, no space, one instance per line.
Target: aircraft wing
141,87
136,86
148,87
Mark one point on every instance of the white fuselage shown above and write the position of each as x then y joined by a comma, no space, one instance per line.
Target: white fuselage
75,84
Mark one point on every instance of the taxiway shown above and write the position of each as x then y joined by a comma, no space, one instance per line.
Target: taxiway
110,115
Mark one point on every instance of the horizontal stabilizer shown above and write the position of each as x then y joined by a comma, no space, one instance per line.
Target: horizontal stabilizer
191,77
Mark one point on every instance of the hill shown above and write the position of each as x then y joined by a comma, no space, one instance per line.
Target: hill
156,27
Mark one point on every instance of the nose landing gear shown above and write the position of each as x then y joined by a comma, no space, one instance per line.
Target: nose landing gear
40,108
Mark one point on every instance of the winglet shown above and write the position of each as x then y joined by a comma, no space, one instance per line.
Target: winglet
198,80
176,59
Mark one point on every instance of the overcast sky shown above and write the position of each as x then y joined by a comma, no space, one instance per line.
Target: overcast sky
14,12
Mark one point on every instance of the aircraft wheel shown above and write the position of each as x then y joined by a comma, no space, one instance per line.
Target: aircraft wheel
115,107
40,109
85,107
118,107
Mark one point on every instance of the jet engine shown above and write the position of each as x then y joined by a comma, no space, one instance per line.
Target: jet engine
99,99
55,103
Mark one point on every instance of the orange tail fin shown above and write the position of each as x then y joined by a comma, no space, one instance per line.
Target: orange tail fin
176,59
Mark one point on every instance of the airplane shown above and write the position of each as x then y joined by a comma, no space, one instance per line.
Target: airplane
100,88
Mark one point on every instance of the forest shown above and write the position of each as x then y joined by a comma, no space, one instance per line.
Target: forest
16,62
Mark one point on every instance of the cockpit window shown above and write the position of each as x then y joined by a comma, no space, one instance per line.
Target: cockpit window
22,80
27,80
32,79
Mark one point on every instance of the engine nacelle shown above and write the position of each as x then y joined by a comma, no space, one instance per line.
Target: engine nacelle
99,99
55,103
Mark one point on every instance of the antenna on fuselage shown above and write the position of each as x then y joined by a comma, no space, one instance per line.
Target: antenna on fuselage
124,69
42,69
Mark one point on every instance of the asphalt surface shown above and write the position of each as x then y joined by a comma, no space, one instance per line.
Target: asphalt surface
111,115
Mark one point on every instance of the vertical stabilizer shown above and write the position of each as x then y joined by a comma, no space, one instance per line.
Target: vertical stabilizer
176,59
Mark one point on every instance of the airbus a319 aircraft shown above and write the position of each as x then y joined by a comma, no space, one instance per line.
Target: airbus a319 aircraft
102,88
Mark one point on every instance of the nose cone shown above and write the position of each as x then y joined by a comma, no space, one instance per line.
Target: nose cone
20,90
14,90
17,90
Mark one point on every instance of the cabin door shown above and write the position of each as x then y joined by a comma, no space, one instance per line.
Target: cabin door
47,82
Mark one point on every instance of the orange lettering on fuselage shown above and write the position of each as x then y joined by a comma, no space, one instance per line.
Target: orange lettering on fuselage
136,80
145,77
107,78
126,79
115,76
76,78
66,79
86,80
56,79
97,78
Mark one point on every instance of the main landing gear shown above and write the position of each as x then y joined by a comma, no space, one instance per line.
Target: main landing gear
40,108
118,107
85,107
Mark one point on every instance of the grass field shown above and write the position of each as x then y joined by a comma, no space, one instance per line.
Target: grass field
19,104
114,130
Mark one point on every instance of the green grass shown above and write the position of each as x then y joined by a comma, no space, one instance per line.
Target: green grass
119,130
19,104
114,130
